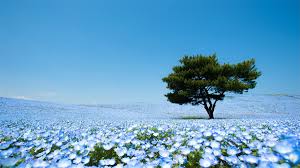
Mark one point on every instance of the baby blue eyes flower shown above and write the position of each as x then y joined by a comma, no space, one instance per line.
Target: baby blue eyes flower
215,144
232,150
63,163
284,147
158,143
251,159
164,153
185,151
205,162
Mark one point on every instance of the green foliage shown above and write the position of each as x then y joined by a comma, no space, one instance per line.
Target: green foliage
19,162
54,148
193,159
99,153
203,80
6,138
33,151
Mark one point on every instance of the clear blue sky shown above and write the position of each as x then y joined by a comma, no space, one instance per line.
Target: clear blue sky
118,51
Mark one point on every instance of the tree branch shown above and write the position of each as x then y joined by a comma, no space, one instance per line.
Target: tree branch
214,105
208,98
205,105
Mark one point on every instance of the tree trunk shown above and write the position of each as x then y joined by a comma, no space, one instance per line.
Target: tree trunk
210,108
211,114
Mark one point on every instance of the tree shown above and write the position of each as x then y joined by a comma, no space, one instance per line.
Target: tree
202,80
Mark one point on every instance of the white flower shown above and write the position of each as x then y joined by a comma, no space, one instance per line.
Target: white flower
205,163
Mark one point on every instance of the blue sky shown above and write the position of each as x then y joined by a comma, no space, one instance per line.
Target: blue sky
118,51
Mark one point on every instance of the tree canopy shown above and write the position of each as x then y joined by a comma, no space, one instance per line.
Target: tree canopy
202,80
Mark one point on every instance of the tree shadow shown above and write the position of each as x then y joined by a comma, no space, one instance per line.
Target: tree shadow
196,118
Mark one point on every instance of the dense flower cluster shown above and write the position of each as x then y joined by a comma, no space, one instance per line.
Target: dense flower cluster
164,143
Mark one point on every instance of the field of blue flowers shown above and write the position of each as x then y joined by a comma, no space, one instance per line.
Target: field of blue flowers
260,132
